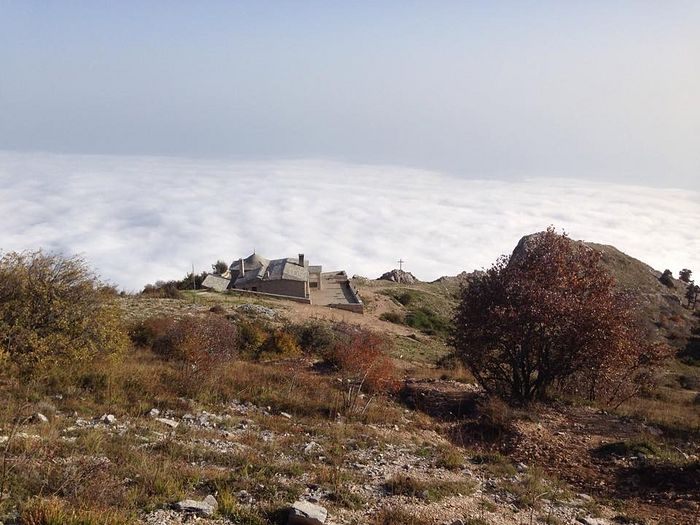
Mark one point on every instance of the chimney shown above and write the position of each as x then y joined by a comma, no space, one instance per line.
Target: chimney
241,267
301,260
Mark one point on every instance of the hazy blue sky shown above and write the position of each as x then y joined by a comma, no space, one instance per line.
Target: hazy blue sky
592,89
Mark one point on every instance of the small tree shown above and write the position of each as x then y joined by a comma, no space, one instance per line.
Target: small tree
684,275
691,294
220,267
667,279
550,317
54,310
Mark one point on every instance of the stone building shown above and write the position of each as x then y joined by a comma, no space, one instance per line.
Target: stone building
292,277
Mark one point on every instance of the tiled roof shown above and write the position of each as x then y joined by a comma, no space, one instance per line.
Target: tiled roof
258,268
216,282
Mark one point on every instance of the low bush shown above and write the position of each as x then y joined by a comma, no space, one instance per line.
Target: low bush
450,458
432,490
197,340
54,310
54,511
251,337
398,516
163,290
361,356
145,333
315,337
393,317
425,320
633,447
281,343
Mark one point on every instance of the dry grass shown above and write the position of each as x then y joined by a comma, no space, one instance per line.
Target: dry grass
90,472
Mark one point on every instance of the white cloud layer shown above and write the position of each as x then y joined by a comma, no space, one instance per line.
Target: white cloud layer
139,219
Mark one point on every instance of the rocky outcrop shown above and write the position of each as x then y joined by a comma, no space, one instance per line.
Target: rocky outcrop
399,276
660,307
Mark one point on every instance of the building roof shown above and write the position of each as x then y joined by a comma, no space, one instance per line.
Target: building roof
216,282
258,268
251,262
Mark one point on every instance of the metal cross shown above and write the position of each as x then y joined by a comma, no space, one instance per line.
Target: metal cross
401,261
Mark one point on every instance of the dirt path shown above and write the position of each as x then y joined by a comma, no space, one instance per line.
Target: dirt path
298,311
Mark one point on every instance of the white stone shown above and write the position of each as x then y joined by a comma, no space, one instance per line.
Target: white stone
169,422
305,513
206,507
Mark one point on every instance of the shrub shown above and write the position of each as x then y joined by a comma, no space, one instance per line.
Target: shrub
549,316
427,321
280,343
684,275
220,267
251,336
433,490
667,279
163,290
406,298
315,337
634,447
217,309
171,289
361,357
392,317
450,458
398,516
198,340
144,333
54,310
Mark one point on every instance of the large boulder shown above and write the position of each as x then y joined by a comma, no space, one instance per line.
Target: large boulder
399,276
306,513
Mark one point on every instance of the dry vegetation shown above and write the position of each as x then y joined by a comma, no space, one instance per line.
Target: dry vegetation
260,406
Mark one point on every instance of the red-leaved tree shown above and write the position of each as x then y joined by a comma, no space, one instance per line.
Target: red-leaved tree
550,317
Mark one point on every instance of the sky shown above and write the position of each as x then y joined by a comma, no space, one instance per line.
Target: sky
151,136
597,90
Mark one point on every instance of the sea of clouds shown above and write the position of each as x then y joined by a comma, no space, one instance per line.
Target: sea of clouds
140,219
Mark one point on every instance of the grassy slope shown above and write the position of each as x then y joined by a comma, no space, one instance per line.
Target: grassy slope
256,449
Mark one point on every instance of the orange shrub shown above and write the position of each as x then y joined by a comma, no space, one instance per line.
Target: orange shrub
361,356
197,340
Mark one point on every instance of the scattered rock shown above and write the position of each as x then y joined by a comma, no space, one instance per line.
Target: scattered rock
40,418
284,414
169,422
206,507
259,310
312,446
305,513
244,497
154,412
593,521
108,419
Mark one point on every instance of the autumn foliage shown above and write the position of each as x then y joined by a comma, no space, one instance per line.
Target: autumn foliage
55,311
549,317
361,356
198,341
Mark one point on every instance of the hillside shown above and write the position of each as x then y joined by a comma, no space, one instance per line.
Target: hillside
123,442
